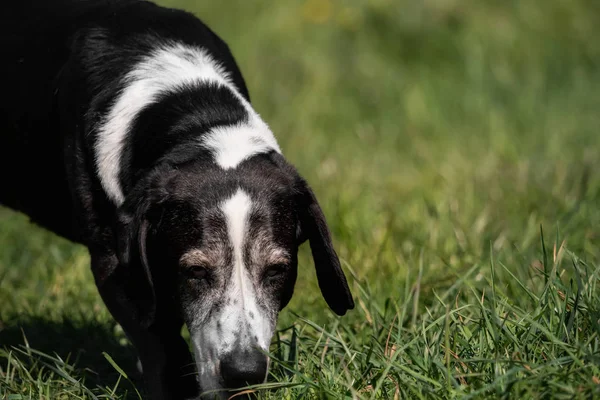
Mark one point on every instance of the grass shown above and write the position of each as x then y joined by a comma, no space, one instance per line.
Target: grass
454,148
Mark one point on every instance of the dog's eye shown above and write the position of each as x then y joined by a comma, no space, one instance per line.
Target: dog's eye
276,270
198,272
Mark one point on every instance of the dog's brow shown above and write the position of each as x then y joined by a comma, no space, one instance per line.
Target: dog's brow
278,256
265,252
195,257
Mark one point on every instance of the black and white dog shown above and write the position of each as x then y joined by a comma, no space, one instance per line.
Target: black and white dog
127,127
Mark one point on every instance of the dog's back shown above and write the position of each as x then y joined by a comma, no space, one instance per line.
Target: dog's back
58,57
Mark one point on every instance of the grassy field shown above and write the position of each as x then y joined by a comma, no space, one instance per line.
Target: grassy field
454,148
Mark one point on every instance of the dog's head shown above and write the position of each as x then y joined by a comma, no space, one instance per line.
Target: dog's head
219,247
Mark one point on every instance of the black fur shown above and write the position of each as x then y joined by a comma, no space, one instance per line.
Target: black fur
64,65
177,120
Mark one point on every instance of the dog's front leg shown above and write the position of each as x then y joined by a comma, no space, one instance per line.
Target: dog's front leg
167,363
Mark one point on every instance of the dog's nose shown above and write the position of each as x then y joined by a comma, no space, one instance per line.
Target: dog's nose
244,368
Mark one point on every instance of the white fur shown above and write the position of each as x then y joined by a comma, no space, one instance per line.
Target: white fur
241,323
233,144
166,69
237,212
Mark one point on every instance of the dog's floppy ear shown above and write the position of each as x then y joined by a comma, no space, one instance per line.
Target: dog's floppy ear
313,227
138,286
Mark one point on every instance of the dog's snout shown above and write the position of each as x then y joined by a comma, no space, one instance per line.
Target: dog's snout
243,368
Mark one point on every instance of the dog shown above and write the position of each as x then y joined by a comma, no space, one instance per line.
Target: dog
127,127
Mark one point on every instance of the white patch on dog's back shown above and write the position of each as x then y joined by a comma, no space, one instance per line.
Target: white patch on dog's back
239,322
165,70
233,144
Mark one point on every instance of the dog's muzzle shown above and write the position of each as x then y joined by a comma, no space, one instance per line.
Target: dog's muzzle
241,368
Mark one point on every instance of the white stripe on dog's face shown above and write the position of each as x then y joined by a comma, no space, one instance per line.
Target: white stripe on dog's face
239,323
165,70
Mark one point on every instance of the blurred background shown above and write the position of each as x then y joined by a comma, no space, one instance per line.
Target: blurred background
440,129
435,134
